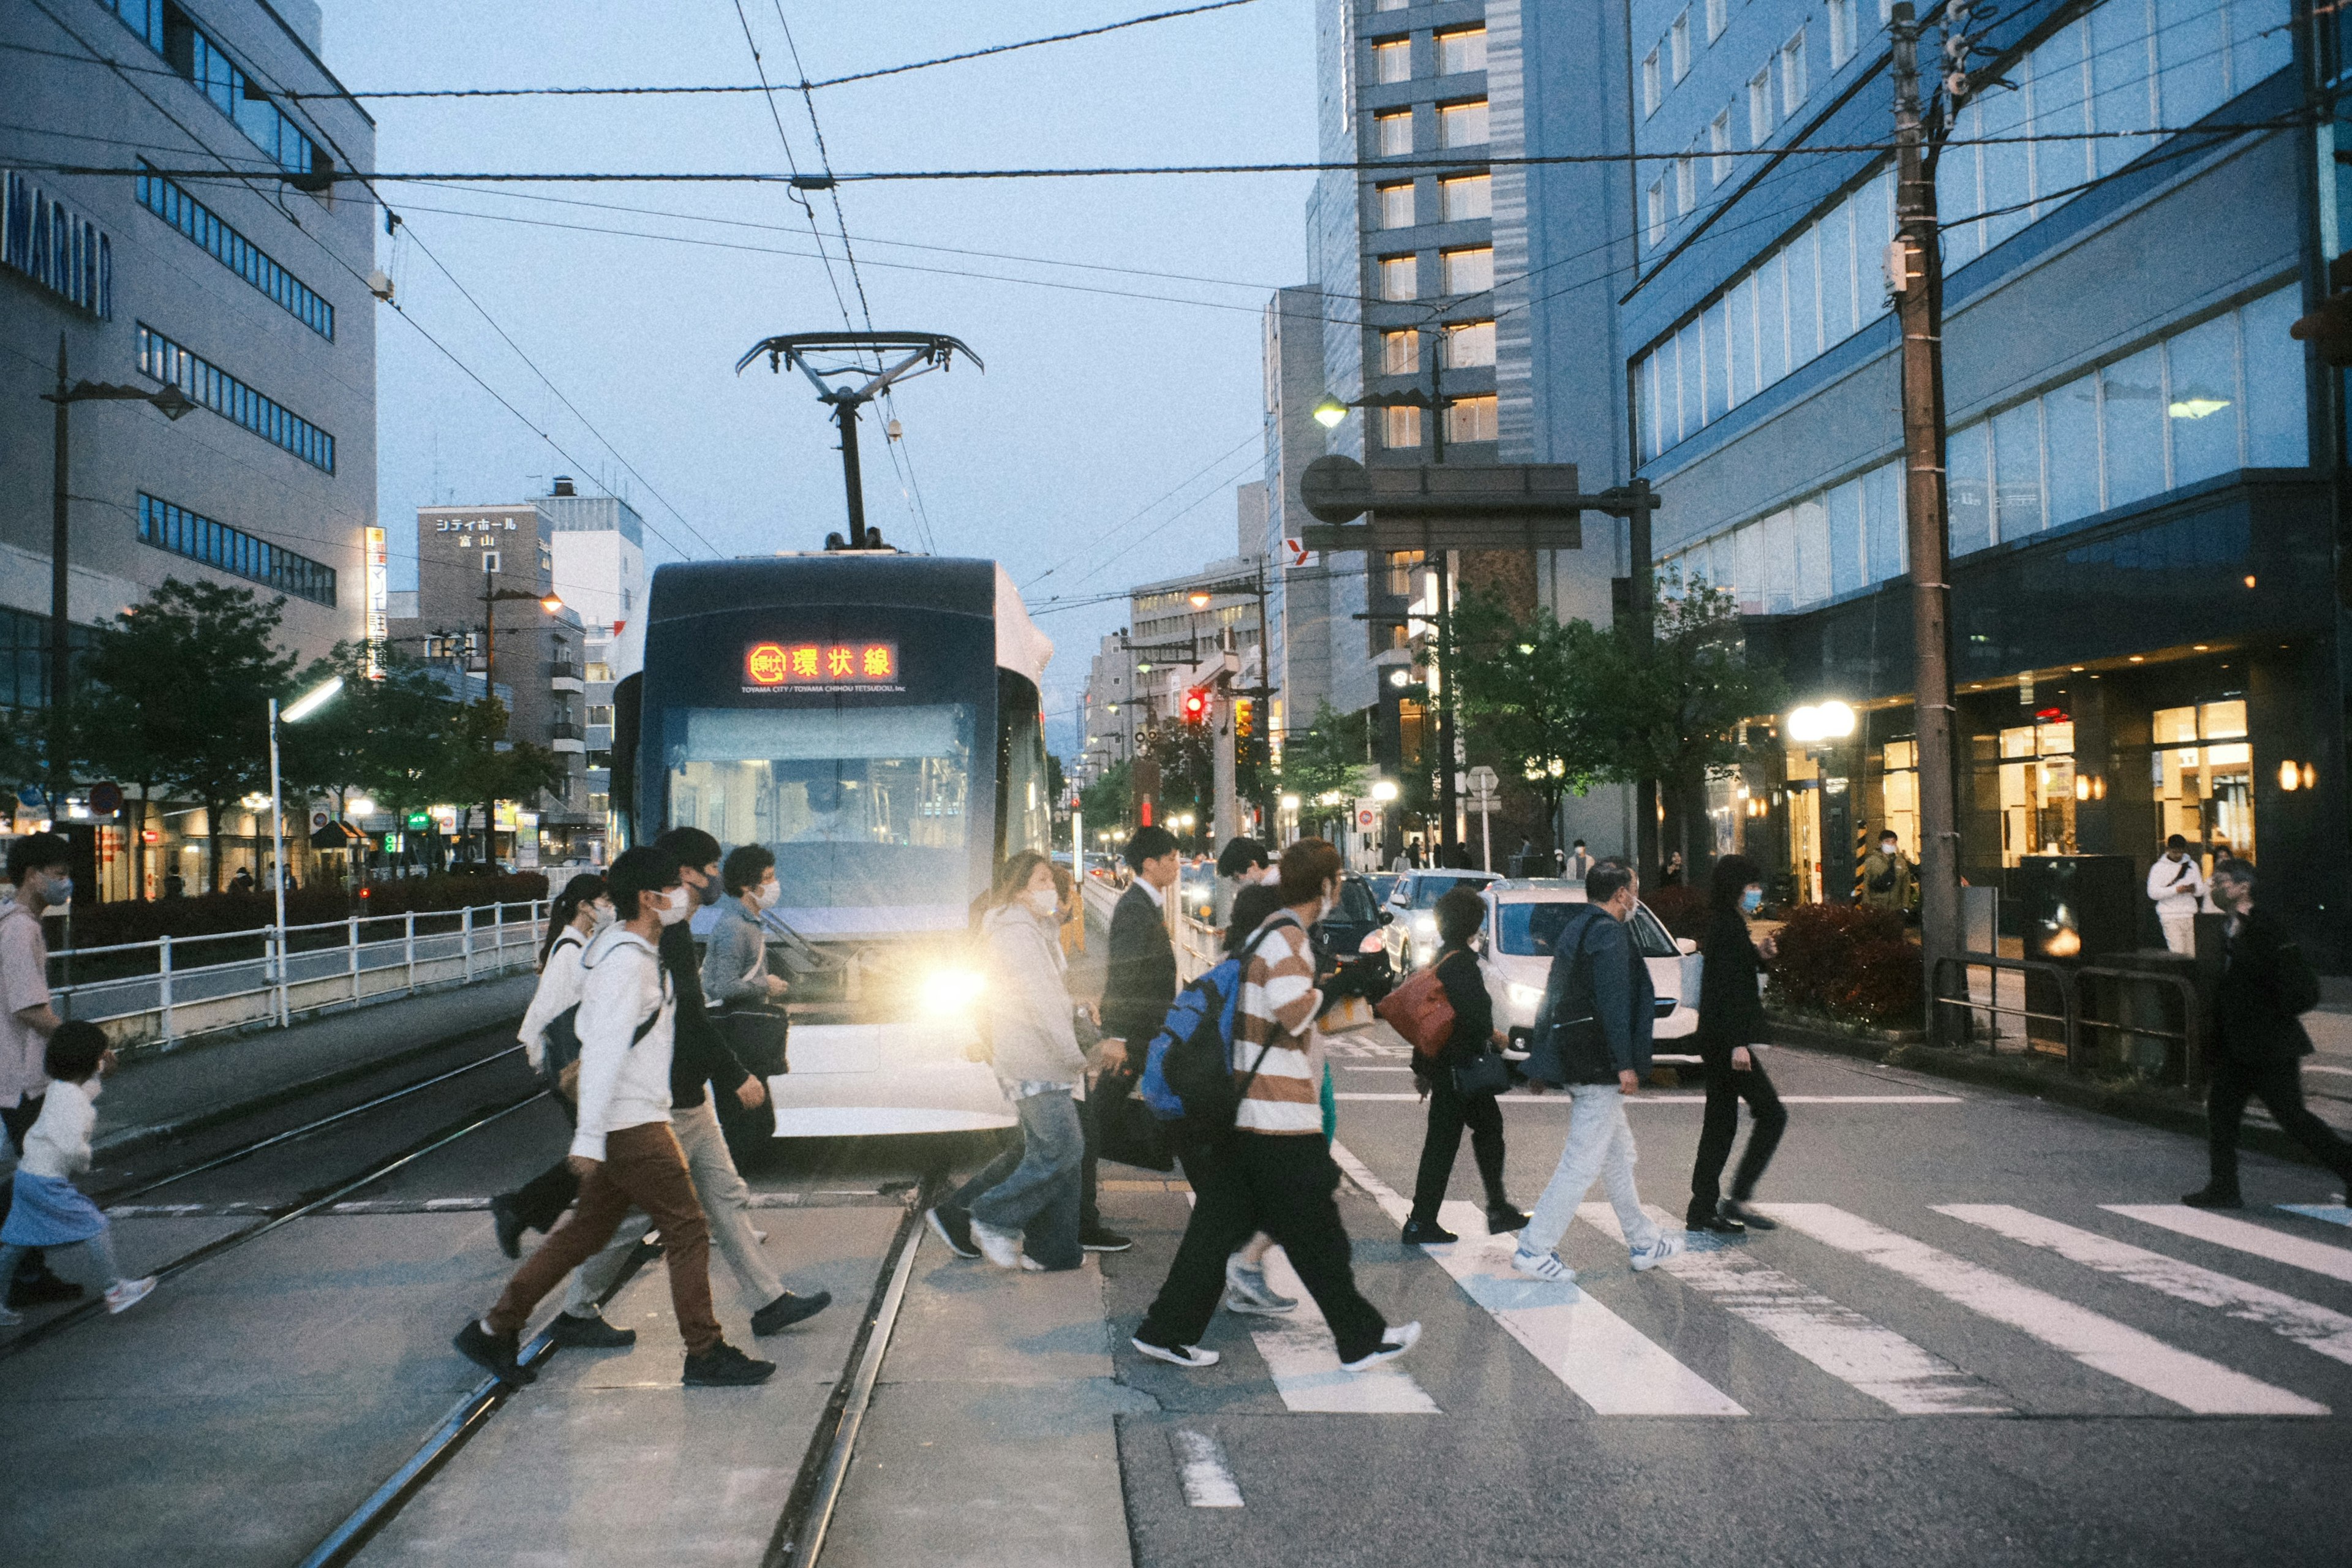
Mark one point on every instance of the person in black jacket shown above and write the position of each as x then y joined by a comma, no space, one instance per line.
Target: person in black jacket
1140,980
2266,987
1730,1020
1459,914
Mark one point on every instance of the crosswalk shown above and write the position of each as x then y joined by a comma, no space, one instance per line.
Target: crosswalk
1610,1361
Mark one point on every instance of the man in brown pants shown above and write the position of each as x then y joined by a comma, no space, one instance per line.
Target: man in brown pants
624,1149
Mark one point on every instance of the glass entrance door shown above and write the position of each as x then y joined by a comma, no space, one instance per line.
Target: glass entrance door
2202,769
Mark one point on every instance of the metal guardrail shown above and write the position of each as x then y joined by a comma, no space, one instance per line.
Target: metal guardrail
167,999
2073,1020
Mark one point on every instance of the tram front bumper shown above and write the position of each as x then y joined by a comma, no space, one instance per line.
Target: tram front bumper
851,1079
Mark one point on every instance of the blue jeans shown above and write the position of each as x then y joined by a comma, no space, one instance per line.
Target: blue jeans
1600,1144
1040,1194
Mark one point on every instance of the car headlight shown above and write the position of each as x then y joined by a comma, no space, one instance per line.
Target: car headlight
1371,943
1526,996
1424,924
947,991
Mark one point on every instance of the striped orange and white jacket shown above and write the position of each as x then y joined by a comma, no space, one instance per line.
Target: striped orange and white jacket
1277,1009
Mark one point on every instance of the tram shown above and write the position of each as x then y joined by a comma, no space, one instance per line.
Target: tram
873,719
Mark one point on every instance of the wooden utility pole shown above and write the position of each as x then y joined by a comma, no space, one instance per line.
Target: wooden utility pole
1916,273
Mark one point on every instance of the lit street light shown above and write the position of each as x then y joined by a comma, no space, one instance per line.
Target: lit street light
302,708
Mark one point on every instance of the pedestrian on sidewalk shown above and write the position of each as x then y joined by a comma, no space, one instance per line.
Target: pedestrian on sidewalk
1730,1023
1112,1075
1579,864
624,1149
1886,874
1592,1038
1239,863
1460,913
2176,887
1140,963
40,869
47,1209
1275,1173
579,912
2266,986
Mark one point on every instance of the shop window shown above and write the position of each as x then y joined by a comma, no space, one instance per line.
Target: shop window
1899,794
2202,771
2037,791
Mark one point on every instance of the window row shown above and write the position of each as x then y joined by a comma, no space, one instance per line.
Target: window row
2225,394
1456,50
231,399
1808,295
233,251
1460,197
1458,125
189,50
234,550
1472,418
1469,270
2134,67
56,248
1465,345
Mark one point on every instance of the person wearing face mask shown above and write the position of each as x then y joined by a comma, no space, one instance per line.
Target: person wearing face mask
579,912
1239,863
1887,875
735,963
1730,1023
39,868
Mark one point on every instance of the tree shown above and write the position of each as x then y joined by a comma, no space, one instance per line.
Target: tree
1329,756
1187,769
1516,681
1110,798
180,700
482,765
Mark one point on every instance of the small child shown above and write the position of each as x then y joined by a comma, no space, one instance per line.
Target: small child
49,1210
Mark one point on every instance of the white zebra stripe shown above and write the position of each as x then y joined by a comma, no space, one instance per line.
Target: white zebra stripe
2240,1235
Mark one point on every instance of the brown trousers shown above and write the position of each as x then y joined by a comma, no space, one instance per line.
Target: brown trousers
642,1166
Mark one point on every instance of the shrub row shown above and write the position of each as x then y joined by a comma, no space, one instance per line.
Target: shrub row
209,914
1855,964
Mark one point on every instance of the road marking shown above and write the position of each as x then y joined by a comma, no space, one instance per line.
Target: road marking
1647,1097
2324,1328
1304,1359
1200,1466
2339,1072
1869,1358
2334,1214
1602,1359
2099,1342
2242,1237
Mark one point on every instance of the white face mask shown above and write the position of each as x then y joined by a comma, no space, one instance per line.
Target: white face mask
674,908
602,913
767,894
1271,877
1044,902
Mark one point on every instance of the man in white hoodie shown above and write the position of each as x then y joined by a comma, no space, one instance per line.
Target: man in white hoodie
2175,885
622,1146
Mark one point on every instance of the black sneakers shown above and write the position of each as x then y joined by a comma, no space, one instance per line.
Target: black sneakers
590,1333
724,1366
1741,1211
1426,1233
494,1354
1504,1218
1717,1223
1102,1239
2211,1197
954,1227
507,1225
787,1309
42,1289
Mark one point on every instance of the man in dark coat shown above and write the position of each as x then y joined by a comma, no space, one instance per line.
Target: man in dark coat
1140,981
2259,1040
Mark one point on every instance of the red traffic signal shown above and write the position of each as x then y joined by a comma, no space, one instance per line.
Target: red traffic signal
1196,706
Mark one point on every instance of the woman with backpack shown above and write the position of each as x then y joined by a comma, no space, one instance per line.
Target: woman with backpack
1439,1077
1730,1021
582,909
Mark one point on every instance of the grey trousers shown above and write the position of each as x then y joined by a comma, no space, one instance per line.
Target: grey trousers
726,1204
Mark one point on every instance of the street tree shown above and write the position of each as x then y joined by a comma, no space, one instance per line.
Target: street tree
481,765
1111,799
178,701
1516,681
1187,769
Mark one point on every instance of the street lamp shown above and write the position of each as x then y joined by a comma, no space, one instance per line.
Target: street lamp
172,403
302,708
1330,413
1384,791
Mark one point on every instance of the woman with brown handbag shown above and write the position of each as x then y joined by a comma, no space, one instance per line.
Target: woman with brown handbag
1459,1081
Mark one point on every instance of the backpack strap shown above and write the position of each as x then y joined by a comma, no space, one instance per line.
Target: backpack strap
646,1027
1249,951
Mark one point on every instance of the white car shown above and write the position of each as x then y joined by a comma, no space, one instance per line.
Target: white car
1523,916
1411,931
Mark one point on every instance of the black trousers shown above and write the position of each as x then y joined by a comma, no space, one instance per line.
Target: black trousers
19,1119
1724,1089
2279,1086
1284,1185
1449,1113
542,1200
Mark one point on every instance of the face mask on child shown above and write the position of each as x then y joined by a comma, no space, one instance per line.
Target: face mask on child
674,908
1044,902
769,893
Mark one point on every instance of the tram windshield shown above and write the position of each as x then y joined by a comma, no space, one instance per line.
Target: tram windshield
865,807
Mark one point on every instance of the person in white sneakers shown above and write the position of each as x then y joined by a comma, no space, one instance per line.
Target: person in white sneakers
2175,885
49,1210
1592,1038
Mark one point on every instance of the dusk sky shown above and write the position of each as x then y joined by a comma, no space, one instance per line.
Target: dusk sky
1093,406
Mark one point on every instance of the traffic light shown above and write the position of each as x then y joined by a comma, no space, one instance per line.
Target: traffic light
1245,716
1196,706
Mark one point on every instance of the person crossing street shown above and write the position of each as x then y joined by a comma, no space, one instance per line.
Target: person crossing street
1730,1024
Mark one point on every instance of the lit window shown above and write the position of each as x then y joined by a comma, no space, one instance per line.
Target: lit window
1400,428
1471,418
1718,142
1678,45
1398,280
1467,196
1396,132
1401,352
1393,60
1463,51
1657,214
1396,207
1759,107
1841,40
1469,271
1718,18
1469,344
1652,93
1685,185
599,671
1793,87
1462,124
1391,4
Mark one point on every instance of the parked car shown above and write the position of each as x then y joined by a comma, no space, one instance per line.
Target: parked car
1382,883
1411,934
1196,887
1523,918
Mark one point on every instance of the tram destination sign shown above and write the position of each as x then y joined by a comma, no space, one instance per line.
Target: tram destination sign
794,664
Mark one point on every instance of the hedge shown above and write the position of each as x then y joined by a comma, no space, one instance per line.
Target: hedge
210,914
1855,964
1683,911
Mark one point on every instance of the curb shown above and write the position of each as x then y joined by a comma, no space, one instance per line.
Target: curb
2148,1108
133,1140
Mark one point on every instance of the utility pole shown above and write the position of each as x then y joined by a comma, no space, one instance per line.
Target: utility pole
1915,271
1642,628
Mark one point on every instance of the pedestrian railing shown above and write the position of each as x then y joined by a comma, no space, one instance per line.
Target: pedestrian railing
151,992
2125,992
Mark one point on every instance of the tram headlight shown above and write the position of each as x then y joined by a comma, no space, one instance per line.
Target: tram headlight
947,991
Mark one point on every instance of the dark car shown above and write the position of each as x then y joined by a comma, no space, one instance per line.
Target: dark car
1349,935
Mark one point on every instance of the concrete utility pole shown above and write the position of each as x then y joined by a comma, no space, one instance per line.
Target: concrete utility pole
1916,273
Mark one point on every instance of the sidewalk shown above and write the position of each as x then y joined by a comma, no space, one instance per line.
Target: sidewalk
156,1095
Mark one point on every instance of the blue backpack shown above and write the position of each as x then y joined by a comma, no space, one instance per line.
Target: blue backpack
1188,1074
